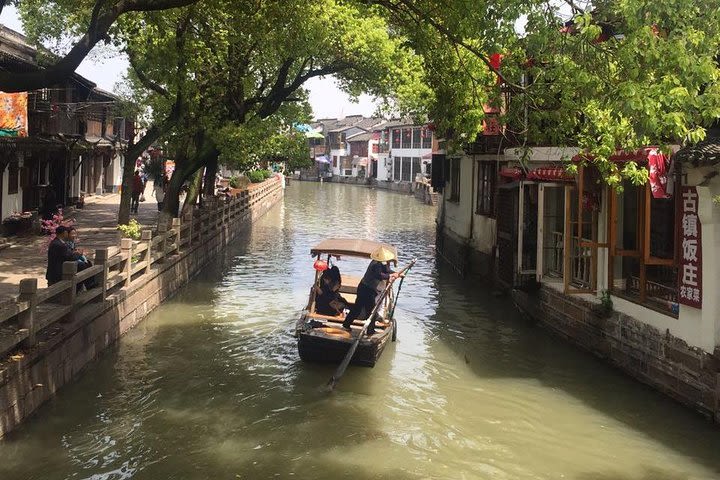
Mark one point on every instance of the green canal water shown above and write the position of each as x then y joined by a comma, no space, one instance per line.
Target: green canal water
210,386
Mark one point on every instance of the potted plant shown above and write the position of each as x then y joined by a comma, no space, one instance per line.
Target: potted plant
17,222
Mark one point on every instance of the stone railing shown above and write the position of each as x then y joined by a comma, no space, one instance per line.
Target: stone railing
36,310
423,191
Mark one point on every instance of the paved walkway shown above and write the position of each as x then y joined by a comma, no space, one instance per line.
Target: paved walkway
97,227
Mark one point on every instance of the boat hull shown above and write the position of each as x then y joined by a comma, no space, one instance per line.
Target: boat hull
314,345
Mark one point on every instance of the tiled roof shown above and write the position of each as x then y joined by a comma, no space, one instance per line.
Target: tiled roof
703,154
360,137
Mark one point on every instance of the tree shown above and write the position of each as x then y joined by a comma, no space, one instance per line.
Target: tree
84,23
241,64
602,76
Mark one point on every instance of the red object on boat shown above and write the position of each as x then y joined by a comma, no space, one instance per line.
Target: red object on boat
320,265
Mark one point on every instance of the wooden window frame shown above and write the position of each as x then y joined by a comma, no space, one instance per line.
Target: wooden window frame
642,241
454,180
487,173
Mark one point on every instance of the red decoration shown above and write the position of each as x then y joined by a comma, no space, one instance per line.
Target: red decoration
320,265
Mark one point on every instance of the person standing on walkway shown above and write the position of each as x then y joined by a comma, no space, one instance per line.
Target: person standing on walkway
138,188
59,252
159,192
371,287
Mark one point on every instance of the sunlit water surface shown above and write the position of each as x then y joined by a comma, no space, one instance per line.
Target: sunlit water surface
211,386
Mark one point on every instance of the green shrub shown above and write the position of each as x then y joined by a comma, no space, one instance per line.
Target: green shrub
234,182
267,173
256,176
131,230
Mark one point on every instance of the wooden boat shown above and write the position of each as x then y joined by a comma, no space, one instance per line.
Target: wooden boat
321,338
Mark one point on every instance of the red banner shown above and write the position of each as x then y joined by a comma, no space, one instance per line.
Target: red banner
690,268
13,114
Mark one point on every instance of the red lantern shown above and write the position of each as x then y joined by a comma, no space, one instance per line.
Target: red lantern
320,265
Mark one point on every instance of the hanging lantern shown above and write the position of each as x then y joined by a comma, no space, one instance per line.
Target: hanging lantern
320,265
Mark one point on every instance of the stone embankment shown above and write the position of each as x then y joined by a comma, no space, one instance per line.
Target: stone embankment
48,335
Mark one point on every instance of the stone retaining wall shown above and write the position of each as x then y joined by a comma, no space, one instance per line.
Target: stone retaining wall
32,375
687,374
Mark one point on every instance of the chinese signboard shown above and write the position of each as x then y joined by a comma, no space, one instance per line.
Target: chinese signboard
13,114
690,268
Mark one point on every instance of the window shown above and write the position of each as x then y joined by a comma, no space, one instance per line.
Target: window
407,138
335,161
416,140
396,138
406,166
13,177
416,169
454,179
426,138
396,168
486,181
642,266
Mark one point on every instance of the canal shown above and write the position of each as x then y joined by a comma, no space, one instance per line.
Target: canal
210,385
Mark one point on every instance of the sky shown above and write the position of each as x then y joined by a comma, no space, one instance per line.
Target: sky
326,99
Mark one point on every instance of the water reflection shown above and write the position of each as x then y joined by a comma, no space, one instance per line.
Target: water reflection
211,386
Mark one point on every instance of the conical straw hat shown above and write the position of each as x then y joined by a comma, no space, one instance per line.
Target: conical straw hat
383,254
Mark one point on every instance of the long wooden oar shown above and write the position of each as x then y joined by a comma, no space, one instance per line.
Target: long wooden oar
348,356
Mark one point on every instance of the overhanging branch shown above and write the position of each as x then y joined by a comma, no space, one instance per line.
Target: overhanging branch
98,28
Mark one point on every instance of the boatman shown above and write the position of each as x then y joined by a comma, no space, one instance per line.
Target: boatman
371,287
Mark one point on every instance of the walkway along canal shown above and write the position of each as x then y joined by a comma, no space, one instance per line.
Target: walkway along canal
210,385
48,335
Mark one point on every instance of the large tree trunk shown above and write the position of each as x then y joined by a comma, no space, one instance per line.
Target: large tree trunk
132,154
210,171
193,191
185,167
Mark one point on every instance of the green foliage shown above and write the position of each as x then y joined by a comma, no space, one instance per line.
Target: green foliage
257,176
234,181
627,74
155,169
716,199
131,230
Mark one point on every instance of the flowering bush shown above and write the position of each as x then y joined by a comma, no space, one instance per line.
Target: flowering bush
131,230
49,226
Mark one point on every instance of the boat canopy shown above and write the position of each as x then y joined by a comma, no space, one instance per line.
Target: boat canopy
351,247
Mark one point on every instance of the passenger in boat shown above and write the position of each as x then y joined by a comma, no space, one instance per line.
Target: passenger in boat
371,288
328,300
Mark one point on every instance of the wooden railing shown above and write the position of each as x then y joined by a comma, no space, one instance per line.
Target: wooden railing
117,268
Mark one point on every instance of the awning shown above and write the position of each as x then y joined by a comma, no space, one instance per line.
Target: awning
511,172
98,141
360,161
550,174
322,159
640,155
313,134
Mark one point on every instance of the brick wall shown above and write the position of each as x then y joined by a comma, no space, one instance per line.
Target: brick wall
29,380
685,373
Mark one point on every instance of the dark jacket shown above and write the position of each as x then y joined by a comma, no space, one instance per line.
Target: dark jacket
329,302
58,253
376,275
